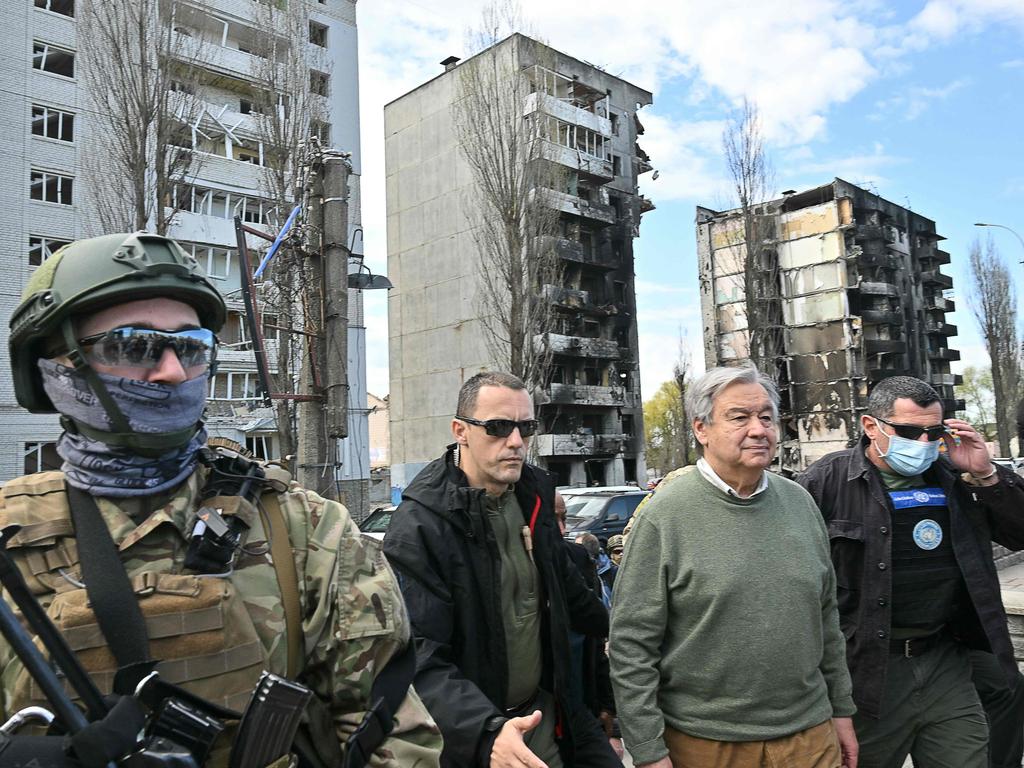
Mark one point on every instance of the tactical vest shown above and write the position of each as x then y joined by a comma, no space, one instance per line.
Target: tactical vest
927,586
214,634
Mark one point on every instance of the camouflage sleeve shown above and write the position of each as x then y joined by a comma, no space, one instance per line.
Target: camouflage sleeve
355,621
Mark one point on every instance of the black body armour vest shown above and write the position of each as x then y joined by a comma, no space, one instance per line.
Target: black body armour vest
927,586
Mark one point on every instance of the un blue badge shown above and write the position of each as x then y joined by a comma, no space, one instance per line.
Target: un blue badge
927,534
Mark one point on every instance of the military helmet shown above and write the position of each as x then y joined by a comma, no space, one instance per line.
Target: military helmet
89,275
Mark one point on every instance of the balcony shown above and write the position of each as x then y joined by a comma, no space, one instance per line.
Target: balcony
595,167
870,232
582,394
939,303
944,354
878,289
934,277
579,346
567,112
572,250
940,329
585,301
575,444
577,206
884,346
881,317
945,379
933,256
611,443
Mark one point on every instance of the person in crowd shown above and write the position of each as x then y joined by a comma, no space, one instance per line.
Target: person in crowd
117,334
615,545
911,532
492,593
725,645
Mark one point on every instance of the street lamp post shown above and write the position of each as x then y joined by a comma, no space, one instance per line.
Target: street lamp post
1008,229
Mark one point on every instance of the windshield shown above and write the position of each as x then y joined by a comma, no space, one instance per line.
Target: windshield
378,522
581,512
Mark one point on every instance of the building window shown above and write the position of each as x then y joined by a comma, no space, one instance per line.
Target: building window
51,187
42,248
216,261
261,445
182,87
53,123
49,58
41,457
318,82
233,386
321,130
271,331
615,123
248,107
318,34
63,7
616,165
247,157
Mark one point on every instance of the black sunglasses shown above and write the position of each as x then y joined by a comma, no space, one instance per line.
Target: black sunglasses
503,427
913,432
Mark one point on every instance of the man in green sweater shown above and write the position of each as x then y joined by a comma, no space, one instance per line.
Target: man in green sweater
725,642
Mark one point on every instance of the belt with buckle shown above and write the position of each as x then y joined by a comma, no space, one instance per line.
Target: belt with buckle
522,709
915,646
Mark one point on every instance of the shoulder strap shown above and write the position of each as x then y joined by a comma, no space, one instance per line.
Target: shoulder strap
106,582
287,581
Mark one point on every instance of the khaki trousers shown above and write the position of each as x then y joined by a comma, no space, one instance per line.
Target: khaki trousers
816,747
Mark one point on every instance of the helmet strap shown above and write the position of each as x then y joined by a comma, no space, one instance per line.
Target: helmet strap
77,357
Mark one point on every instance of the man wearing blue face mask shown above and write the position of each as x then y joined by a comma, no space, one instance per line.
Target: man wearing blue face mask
911,534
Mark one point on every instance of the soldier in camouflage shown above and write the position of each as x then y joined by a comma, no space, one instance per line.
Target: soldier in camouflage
116,334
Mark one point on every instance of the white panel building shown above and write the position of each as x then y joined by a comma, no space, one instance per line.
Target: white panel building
45,112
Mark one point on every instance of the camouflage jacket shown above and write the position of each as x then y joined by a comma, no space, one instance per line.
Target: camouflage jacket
215,635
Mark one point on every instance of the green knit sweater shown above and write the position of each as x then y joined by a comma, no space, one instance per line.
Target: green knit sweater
724,622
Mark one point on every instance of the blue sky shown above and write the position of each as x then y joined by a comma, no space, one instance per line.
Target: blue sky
920,101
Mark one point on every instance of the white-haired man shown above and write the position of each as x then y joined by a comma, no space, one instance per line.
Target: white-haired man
725,643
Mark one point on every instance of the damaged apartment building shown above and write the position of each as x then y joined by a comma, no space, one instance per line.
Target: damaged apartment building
850,287
590,407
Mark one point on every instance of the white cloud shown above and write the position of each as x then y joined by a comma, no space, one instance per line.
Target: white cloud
797,59
912,102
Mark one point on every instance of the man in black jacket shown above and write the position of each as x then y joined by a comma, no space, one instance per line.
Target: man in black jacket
911,537
492,594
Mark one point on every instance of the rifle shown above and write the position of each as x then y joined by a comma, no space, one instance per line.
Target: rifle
179,730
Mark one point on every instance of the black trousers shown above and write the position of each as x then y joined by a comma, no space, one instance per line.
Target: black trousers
1004,707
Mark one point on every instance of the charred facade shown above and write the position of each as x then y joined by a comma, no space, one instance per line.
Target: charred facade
861,296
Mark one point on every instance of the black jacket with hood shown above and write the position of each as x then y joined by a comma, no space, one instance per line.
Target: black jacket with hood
445,553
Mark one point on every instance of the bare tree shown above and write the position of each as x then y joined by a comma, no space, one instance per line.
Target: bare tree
753,180
993,302
141,68
682,373
512,218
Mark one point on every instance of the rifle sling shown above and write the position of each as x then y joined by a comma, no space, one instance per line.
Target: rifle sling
110,592
287,582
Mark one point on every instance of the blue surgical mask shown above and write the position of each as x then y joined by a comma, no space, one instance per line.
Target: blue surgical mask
909,457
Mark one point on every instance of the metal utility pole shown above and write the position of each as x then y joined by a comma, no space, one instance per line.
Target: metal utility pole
324,420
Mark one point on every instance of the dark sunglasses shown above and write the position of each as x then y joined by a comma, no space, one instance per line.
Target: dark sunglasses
143,347
912,432
503,427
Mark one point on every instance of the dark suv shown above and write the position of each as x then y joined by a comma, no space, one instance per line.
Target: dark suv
602,513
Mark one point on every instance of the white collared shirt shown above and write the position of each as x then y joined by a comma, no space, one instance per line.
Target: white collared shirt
712,477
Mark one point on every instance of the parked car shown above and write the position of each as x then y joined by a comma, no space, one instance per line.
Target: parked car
603,512
376,523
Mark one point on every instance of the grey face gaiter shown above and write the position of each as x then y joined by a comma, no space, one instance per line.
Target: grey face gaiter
151,408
